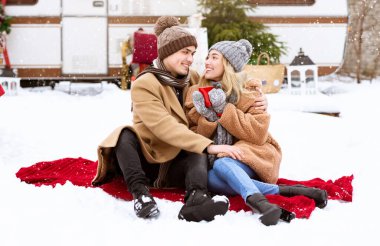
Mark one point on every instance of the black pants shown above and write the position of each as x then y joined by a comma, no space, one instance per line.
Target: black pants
187,170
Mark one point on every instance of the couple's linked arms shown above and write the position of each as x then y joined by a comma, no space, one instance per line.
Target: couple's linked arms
231,150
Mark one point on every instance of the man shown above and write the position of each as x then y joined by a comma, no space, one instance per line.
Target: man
159,149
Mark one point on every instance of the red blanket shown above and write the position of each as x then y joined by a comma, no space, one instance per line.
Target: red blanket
80,172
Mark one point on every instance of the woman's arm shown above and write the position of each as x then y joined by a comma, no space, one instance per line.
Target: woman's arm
246,125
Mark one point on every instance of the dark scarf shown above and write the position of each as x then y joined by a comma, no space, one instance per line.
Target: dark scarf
159,70
164,76
222,136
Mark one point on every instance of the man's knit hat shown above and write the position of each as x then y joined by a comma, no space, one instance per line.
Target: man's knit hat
171,37
237,53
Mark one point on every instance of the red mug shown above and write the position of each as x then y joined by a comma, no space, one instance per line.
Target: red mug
204,91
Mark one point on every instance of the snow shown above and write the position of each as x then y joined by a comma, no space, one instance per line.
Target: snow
40,124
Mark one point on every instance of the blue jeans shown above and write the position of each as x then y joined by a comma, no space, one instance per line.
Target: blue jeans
231,177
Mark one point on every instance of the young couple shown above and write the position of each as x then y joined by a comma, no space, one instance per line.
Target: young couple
200,138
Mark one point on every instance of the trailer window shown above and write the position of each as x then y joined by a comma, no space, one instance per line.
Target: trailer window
281,2
21,2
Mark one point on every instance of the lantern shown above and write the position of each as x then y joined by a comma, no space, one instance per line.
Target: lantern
302,75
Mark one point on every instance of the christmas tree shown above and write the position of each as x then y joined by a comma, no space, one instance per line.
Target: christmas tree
5,21
228,20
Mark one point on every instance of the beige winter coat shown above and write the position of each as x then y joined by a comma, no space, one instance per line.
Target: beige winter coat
250,129
159,122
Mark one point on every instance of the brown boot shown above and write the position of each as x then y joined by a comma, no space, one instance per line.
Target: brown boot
318,195
271,213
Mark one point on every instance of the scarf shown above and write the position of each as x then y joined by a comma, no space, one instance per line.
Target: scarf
222,136
159,70
165,77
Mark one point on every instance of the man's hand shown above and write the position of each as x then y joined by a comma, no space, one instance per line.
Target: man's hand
232,151
261,102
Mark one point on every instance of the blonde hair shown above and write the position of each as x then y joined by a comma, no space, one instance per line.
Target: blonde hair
230,82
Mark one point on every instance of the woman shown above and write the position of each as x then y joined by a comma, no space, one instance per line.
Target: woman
246,158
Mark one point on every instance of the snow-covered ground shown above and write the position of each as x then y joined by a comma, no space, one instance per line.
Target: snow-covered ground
40,124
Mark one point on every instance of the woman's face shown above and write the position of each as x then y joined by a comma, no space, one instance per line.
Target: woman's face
214,66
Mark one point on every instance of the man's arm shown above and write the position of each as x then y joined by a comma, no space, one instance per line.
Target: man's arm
261,102
149,106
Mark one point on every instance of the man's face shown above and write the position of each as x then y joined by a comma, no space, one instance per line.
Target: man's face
178,63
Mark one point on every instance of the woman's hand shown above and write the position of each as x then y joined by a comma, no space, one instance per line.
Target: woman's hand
218,100
261,102
199,104
232,151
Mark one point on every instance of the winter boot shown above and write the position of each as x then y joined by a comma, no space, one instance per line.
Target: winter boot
271,213
318,195
144,204
200,206
287,216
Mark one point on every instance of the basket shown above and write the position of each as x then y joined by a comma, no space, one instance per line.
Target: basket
271,76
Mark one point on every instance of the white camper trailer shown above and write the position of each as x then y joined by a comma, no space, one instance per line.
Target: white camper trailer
55,40
319,27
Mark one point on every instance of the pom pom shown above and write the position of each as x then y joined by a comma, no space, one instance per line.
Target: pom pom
247,45
165,22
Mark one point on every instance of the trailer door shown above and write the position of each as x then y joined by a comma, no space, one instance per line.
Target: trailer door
84,37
